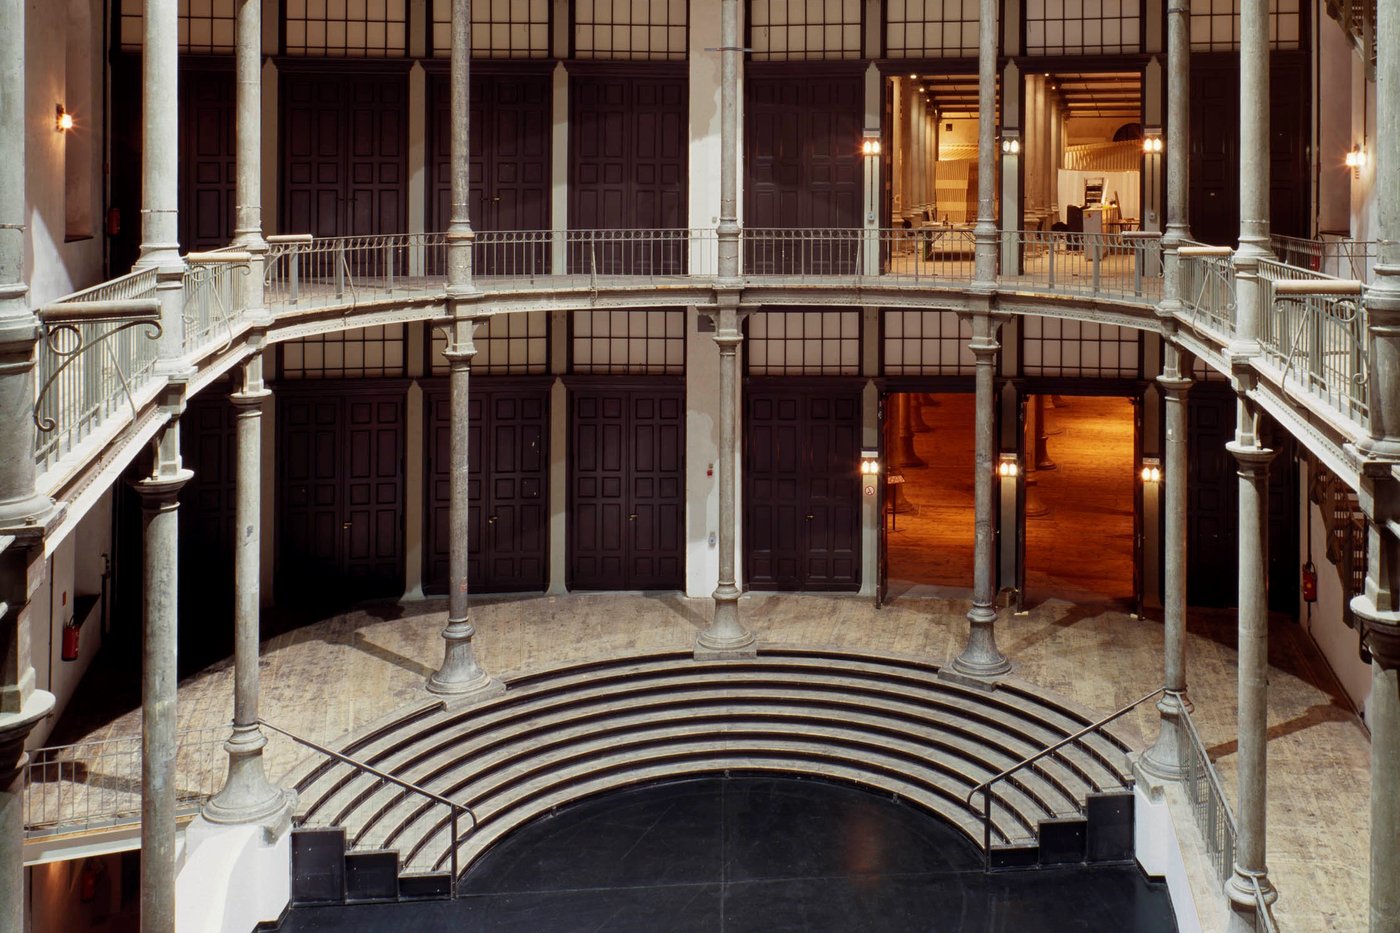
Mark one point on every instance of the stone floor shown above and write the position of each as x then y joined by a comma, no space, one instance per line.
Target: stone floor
325,679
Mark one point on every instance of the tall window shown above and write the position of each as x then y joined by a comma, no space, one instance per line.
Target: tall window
352,28
630,29
500,28
1215,25
794,30
931,28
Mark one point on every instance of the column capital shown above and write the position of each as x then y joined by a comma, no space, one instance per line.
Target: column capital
1251,459
1175,385
1380,631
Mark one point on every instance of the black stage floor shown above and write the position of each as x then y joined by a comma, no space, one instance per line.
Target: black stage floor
739,854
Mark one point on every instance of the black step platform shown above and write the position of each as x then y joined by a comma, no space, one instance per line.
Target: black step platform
758,854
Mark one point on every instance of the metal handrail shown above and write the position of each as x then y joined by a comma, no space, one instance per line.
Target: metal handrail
454,808
986,786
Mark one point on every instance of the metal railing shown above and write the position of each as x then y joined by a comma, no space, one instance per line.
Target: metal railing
986,788
455,810
1107,265
309,272
1315,334
1340,258
94,355
1208,286
133,286
211,295
1206,797
97,785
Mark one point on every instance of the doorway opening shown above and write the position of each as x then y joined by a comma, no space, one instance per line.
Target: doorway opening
928,514
1081,497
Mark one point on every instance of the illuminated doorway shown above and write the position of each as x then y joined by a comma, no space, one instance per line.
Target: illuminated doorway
928,515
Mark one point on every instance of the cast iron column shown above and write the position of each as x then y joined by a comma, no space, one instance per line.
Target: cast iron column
160,586
460,676
985,231
1250,865
726,634
1378,608
1254,177
728,230
160,134
247,220
247,796
981,657
1167,758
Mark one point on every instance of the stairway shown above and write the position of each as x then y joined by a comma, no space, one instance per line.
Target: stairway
892,725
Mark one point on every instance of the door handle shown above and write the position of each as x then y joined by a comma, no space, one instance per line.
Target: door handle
810,517
491,520
632,517
345,526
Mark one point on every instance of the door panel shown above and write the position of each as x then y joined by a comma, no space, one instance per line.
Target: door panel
627,166
802,495
340,493
344,153
1212,516
627,477
508,542
207,528
207,159
509,167
803,167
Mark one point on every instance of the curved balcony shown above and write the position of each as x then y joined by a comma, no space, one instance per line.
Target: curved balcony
101,382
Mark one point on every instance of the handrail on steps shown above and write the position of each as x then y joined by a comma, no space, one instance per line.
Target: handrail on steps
454,808
986,786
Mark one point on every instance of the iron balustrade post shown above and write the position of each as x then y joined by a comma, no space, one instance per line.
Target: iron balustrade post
1050,261
987,827
340,268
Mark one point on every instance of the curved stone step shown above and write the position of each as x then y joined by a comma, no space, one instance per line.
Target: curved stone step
888,723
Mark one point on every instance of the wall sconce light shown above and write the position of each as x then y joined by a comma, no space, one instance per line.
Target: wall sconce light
63,120
870,143
1008,466
869,471
1152,143
1151,469
1011,143
1355,159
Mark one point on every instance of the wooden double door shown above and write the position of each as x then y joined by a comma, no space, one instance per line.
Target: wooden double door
345,150
627,168
340,491
508,534
803,169
509,166
627,485
802,485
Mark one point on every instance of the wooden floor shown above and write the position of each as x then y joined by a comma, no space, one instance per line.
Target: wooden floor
1079,536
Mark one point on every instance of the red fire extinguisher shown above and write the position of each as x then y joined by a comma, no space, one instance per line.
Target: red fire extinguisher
1309,583
70,641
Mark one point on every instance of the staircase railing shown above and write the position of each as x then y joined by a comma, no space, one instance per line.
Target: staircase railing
986,787
455,810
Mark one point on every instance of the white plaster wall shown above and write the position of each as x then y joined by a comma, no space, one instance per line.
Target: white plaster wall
74,570
1334,135
230,880
1158,852
52,267
1363,126
1323,619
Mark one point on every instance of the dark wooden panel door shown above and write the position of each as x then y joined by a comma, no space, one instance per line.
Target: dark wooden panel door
802,497
803,166
1215,160
510,152
1212,517
627,506
340,493
508,540
207,158
627,166
207,446
344,153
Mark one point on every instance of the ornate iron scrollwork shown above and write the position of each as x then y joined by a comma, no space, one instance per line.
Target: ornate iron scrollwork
53,337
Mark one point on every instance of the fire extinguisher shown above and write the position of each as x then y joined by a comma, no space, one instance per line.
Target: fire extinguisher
70,641
1309,582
